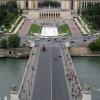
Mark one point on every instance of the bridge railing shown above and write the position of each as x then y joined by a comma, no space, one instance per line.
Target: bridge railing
21,90
80,89
74,83
26,87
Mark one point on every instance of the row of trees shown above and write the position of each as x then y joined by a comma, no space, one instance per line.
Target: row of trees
49,3
13,41
8,14
92,10
92,15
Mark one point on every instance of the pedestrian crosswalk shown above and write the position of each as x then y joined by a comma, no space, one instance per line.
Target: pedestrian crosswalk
50,44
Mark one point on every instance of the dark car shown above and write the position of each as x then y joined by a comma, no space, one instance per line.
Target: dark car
71,41
43,48
48,39
84,40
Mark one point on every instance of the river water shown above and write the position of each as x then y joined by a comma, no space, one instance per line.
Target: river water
11,71
88,71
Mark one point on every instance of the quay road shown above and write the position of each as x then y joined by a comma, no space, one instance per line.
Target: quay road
50,82
73,40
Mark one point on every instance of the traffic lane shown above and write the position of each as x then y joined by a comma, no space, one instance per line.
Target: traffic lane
78,39
81,40
42,88
59,85
59,39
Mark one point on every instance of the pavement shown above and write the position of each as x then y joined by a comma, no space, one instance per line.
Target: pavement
50,83
73,28
80,26
29,75
74,83
49,31
25,28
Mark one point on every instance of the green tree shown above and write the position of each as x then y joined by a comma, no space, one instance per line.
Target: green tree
14,41
3,43
95,45
8,13
92,15
92,46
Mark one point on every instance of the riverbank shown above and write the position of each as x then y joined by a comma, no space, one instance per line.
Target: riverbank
82,51
25,52
15,53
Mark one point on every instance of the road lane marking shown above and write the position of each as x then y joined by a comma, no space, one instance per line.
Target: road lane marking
51,69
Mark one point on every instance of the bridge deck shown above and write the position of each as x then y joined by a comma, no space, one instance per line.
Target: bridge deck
50,83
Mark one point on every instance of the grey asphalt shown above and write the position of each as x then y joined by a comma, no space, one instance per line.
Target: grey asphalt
50,83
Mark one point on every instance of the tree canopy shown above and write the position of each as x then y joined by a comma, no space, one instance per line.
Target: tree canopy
92,10
3,43
49,3
14,41
95,45
92,15
8,13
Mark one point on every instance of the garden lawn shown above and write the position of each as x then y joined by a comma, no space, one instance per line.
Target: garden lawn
35,29
64,29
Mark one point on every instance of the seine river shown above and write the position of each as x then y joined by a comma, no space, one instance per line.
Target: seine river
11,71
87,68
88,71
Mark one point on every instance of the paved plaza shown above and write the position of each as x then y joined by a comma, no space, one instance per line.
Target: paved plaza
49,31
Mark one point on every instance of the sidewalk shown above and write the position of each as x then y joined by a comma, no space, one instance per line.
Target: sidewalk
74,28
25,28
80,26
74,84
